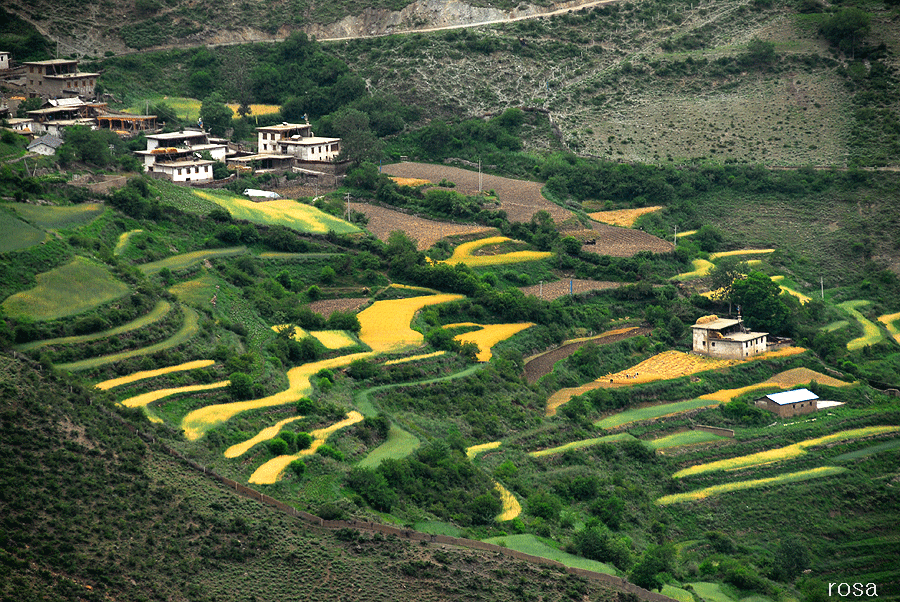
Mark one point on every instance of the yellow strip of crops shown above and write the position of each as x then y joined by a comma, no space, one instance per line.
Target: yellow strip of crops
701,269
687,233
803,475
622,217
201,420
148,398
888,321
714,256
333,339
268,473
239,449
409,287
124,380
473,451
783,453
463,254
298,333
872,334
409,181
414,358
511,506
385,324
123,241
490,335
788,378
255,109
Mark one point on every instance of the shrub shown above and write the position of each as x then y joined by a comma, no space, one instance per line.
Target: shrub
298,467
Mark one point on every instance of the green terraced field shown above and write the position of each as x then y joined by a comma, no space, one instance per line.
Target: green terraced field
123,241
187,331
649,412
867,451
186,260
791,477
283,212
685,438
399,444
51,217
68,290
873,333
529,544
580,444
157,313
16,234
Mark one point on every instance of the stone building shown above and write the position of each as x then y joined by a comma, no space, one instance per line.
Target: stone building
726,338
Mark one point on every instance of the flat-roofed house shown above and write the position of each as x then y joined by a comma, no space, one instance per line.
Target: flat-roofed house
297,140
790,403
726,338
58,78
4,60
177,155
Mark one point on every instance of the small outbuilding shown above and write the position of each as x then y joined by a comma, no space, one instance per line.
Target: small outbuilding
790,403
45,145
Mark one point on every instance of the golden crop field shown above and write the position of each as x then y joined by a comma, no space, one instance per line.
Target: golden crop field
196,423
714,256
784,453
872,334
239,449
701,269
414,358
282,212
463,254
789,378
511,506
385,324
140,401
622,217
145,374
474,450
490,335
409,181
255,109
888,321
268,473
793,477
333,339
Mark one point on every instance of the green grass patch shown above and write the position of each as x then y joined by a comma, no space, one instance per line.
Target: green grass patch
791,477
198,291
68,290
682,595
580,444
650,412
530,544
685,438
186,260
836,326
185,108
16,234
873,333
184,334
711,592
157,313
123,241
867,451
51,217
399,444
436,527
283,212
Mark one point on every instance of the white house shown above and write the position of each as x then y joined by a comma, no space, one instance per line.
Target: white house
186,171
298,141
720,337
178,155
4,60
45,145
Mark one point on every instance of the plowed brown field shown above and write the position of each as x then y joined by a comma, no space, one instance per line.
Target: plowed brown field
543,364
555,290
325,307
426,232
624,242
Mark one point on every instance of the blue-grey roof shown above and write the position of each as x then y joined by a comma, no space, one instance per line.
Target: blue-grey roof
51,141
795,396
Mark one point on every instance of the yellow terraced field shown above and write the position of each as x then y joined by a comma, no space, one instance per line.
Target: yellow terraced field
701,269
872,334
140,401
786,379
889,322
333,339
490,335
124,380
804,475
714,256
473,451
283,212
201,420
268,473
255,109
511,506
385,324
622,217
414,358
239,449
409,181
464,254
784,453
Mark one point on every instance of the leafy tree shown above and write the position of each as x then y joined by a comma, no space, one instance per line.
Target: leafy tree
597,543
791,559
215,115
760,304
358,141
298,467
278,446
373,487
724,273
240,385
846,28
760,53
545,505
484,508
655,560
708,238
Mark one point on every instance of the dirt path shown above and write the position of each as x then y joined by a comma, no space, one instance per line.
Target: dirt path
543,364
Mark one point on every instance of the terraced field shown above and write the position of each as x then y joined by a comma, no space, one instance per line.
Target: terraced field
68,290
702,268
139,401
122,243
239,449
683,439
872,334
385,324
653,411
787,379
552,451
622,217
145,374
489,335
511,506
890,322
530,544
793,477
426,232
282,212
474,450
399,444
541,364
186,260
466,253
559,288
624,242
52,217
16,234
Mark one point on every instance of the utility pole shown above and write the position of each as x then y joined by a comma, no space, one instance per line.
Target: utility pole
348,208
479,175
542,289
822,286
676,236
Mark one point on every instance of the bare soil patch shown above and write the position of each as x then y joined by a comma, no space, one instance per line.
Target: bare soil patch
624,242
555,290
543,364
326,307
426,232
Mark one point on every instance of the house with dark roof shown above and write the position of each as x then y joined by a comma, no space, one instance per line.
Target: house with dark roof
45,145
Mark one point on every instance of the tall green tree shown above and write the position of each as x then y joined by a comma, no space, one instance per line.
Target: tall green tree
215,115
761,305
847,28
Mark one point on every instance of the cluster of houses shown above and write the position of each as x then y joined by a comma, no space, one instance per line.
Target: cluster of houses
186,156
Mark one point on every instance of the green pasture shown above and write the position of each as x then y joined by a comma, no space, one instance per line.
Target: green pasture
791,477
685,438
363,399
185,108
16,234
682,595
198,291
157,313
184,334
68,290
51,217
873,333
836,326
711,592
283,212
123,241
580,444
530,544
399,444
186,260
867,451
649,412
436,527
